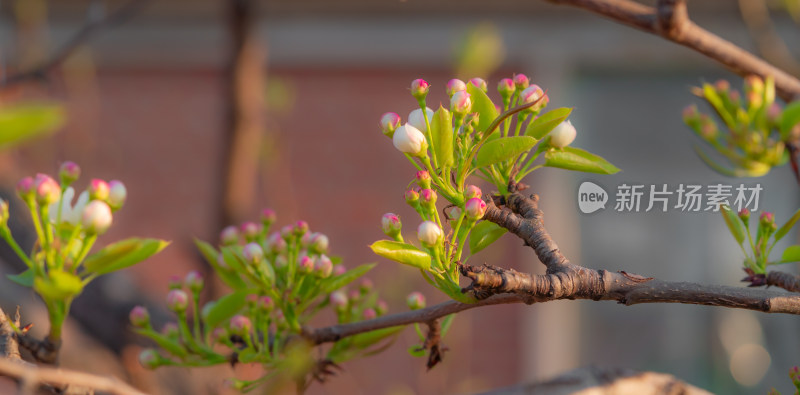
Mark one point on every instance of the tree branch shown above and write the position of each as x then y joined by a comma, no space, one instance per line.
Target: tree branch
670,20
32,376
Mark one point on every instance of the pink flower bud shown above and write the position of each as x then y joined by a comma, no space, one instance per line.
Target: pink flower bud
521,81
266,303
253,253
47,189
455,85
427,197
381,307
369,314
177,301
365,286
300,228
276,244
229,236
305,264
530,95
324,266
563,135
250,231
460,103
220,335
96,217
117,194
391,225
415,301
479,83
417,119
149,358
412,197
98,189
339,300
744,214
319,243
339,269
472,192
410,140
194,281
419,88
390,121
251,299
287,232
722,85
170,329
429,234
69,172
506,87
475,208
690,114
240,325
774,112
139,317
767,218
267,217
354,295
25,188
175,282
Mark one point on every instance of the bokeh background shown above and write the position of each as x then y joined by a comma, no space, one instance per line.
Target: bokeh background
153,101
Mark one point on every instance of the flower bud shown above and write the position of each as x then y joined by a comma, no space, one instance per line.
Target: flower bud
460,103
391,225
276,244
267,217
229,236
766,218
25,188
417,119
338,300
300,228
412,197
427,198
381,307
429,234
774,113
339,269
318,243
139,317
174,282
754,84
475,208
455,85
722,86
287,232
354,295
117,194
47,189
366,286
305,264
220,335
250,231
506,87
744,215
280,261
96,217
479,83
98,189
415,301
521,81
324,266
472,192
530,95
149,358
69,172
410,140
369,314
170,330
390,121
240,325
563,135
419,88
253,253
423,179
177,301
194,281
266,303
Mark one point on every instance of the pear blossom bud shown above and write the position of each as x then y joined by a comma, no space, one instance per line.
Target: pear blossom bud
419,88
767,218
369,314
417,119
324,266
354,295
267,217
300,228
220,335
563,135
412,197
229,236
381,307
475,208
305,241
365,286
455,85
391,225
521,81
149,358
253,253
4,213
305,264
338,300
735,96
240,325
177,301
266,303
690,114
744,215
96,217
319,243
460,103
423,179
472,192
25,188
250,231
429,234
506,87
276,244
410,140
287,232
708,130
722,86
139,317
175,282
339,269
479,83
194,281
774,113
251,300
280,261
427,198
390,121
415,301
530,95
69,172
117,194
47,189
170,330
98,189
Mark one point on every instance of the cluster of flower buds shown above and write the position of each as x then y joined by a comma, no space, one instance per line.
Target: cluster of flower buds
358,304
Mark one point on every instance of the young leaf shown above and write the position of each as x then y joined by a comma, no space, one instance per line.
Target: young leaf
791,254
122,254
225,308
58,285
21,123
333,283
401,252
484,234
226,274
442,135
787,226
571,158
25,278
365,340
503,149
789,118
734,223
543,124
483,105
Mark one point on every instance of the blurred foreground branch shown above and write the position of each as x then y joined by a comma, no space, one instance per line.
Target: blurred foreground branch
32,376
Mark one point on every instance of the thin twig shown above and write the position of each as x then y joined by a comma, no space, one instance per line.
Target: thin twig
36,375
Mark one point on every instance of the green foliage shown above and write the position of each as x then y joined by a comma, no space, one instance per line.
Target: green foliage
757,248
21,123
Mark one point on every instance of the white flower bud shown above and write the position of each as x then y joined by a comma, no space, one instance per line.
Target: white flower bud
96,217
429,233
417,120
410,140
563,135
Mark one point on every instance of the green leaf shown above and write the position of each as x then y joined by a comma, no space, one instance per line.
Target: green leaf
365,340
172,346
416,351
571,158
710,94
225,273
25,278
484,234
447,322
734,223
225,308
442,135
789,118
482,104
402,252
20,123
333,283
58,285
503,149
787,226
122,254
544,123
791,254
